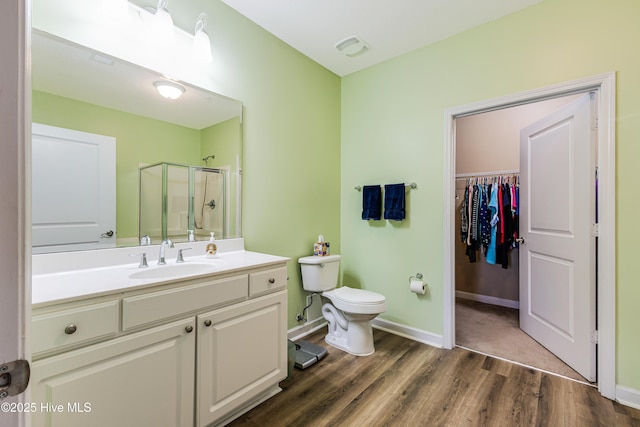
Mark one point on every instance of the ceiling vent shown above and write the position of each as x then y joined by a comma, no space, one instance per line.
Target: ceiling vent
352,46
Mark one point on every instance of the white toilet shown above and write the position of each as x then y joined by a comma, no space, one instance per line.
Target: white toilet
351,310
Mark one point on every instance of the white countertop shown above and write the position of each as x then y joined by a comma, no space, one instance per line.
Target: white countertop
57,287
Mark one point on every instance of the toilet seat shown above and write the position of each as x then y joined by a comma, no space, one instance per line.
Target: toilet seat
357,301
360,296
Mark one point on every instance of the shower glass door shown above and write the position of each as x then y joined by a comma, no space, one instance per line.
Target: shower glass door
176,198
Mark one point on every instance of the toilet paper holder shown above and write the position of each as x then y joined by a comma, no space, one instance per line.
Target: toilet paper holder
417,276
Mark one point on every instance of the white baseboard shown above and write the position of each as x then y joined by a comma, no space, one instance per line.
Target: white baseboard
306,329
385,325
488,299
628,396
408,332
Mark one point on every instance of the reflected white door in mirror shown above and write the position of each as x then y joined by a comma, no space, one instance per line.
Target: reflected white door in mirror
73,190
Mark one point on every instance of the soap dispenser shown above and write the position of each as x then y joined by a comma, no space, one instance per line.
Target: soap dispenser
212,248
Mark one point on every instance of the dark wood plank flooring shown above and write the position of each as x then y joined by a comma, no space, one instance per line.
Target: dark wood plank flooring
405,383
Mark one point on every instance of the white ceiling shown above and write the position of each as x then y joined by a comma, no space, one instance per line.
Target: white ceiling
389,27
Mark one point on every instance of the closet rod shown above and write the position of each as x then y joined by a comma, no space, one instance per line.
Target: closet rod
479,174
411,186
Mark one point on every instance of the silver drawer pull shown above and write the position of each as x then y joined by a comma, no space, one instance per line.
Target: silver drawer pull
272,280
189,329
207,323
71,329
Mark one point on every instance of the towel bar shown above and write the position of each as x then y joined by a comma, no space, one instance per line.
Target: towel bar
412,186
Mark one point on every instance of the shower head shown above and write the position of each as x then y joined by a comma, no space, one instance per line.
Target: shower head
206,159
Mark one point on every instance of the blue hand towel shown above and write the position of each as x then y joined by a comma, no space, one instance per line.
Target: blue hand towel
394,202
371,202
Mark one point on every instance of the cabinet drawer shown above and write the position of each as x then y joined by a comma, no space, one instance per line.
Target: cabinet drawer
147,308
75,325
267,281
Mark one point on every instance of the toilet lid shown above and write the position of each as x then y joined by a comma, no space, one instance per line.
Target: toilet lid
359,296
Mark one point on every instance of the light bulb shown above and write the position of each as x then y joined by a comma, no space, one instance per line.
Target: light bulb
169,90
201,40
162,23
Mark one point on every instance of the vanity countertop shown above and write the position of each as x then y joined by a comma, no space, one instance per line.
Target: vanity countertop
66,286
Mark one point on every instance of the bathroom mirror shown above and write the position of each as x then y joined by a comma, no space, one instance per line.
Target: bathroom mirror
83,90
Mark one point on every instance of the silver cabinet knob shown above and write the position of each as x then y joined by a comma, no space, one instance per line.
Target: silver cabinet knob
189,329
207,323
71,329
272,280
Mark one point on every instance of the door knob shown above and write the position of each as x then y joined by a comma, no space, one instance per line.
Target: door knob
520,240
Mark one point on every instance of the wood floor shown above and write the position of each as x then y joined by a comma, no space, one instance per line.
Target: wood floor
405,383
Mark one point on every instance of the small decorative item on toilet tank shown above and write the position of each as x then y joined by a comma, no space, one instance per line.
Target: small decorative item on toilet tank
321,248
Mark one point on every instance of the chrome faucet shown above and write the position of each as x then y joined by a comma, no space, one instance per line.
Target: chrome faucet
164,243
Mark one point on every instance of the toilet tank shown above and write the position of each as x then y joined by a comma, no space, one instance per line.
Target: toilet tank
320,273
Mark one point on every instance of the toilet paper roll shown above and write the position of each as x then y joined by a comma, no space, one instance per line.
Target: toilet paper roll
417,286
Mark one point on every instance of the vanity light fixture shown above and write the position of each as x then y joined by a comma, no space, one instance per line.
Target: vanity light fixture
201,40
169,90
162,23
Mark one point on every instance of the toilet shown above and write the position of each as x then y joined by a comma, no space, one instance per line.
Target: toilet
349,312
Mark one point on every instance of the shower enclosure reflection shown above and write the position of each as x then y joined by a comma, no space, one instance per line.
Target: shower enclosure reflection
176,198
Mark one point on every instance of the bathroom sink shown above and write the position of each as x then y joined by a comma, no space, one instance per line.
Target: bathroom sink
175,270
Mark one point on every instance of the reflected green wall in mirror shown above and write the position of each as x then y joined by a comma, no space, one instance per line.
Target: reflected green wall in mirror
140,140
227,154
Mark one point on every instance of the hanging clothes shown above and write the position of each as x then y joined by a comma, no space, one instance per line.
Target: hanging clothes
506,228
472,234
493,223
489,220
485,225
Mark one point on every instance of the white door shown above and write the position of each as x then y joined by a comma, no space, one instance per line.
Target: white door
15,277
557,213
73,190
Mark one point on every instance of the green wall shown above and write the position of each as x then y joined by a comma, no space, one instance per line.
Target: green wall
291,176
392,131
226,154
215,141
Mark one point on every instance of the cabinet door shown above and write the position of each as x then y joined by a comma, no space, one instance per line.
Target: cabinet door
242,355
143,379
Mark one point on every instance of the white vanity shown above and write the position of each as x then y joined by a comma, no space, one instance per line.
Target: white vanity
195,349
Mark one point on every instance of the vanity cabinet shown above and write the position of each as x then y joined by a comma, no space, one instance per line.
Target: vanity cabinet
195,352
142,379
239,354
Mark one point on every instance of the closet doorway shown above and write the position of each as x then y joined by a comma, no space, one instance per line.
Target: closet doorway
497,293
487,286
